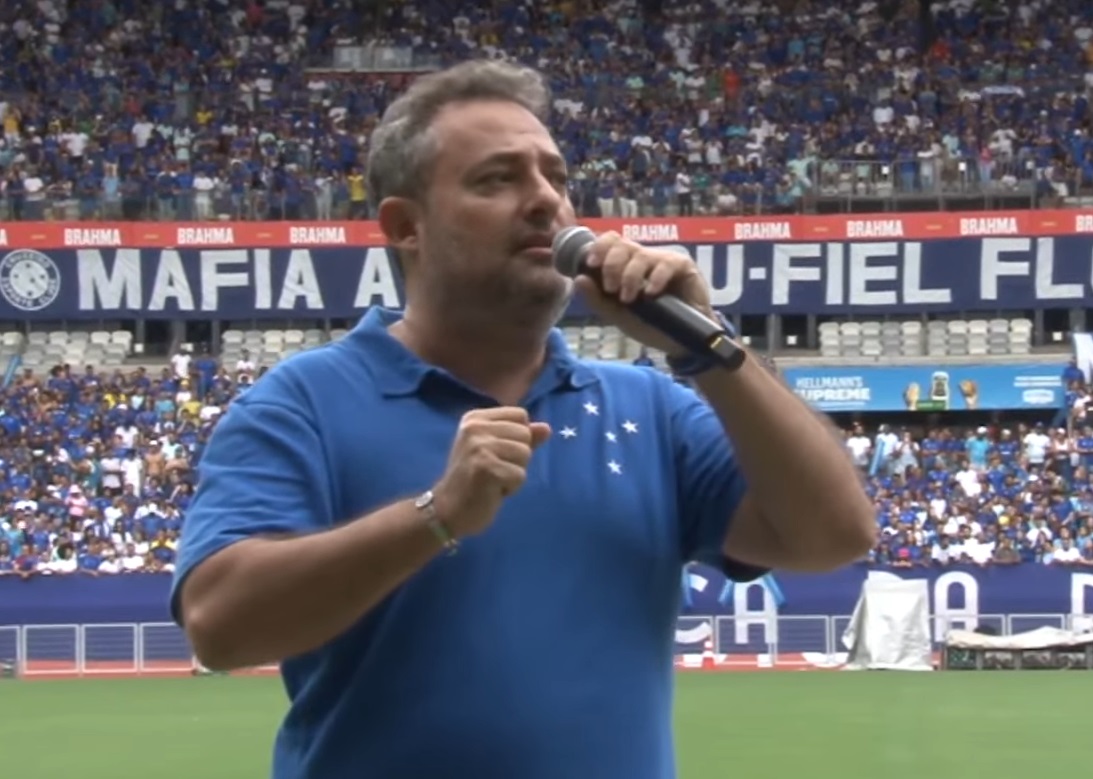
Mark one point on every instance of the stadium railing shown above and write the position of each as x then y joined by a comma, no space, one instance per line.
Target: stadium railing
827,185
745,642
115,649
378,58
945,176
12,368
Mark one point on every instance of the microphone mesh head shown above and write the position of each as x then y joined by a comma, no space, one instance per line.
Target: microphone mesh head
567,246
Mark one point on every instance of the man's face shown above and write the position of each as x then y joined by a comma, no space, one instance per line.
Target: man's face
496,196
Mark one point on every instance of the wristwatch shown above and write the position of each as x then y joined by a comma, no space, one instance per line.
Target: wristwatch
687,366
425,504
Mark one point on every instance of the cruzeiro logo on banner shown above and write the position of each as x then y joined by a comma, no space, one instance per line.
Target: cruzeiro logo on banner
29,280
692,630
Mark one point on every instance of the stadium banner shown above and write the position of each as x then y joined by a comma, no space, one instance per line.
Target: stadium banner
802,617
888,264
964,591
930,388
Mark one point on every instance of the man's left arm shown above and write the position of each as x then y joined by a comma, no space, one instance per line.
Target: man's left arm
761,472
805,508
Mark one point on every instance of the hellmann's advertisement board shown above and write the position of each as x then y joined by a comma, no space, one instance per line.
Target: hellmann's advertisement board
972,387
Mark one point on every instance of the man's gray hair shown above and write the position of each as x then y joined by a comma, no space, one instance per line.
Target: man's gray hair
401,148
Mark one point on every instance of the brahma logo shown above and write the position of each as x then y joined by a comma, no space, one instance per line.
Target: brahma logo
29,280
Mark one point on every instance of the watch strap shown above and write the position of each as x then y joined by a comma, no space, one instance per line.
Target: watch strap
426,504
686,366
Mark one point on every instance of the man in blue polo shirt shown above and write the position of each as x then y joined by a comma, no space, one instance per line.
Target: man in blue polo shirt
463,544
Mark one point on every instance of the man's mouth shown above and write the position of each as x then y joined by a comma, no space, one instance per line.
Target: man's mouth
538,248
539,241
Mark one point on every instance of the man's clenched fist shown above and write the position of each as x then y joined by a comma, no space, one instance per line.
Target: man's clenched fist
487,463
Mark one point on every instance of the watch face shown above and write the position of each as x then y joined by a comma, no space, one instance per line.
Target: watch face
424,500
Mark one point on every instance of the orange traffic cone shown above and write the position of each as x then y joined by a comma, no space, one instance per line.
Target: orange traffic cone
708,658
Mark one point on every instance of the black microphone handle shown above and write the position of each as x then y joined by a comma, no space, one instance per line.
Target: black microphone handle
667,313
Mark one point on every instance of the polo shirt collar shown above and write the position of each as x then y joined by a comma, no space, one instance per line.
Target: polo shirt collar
399,372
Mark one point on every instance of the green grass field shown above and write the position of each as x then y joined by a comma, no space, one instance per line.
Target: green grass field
770,725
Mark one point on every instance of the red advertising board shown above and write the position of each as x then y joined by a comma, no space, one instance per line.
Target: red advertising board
878,227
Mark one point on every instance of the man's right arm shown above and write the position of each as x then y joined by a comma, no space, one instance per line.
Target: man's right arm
266,570
262,600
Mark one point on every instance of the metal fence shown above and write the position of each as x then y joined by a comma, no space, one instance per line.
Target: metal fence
820,185
149,649
953,176
378,57
120,649
220,204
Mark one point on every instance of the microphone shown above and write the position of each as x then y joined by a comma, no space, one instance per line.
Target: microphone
681,322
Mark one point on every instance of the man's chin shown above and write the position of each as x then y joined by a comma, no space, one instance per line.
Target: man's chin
544,297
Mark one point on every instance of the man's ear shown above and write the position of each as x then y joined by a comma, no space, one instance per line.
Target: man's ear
398,218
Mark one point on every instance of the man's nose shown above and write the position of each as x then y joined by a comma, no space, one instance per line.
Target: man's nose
544,201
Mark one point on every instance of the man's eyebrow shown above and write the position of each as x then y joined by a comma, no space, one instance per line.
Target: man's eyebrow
509,157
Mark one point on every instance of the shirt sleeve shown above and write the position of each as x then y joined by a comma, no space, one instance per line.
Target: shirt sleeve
710,483
263,472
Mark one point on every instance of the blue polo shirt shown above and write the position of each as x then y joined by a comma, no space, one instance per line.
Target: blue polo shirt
544,648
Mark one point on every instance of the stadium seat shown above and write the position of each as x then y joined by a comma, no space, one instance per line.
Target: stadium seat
1020,336
293,337
232,337
829,339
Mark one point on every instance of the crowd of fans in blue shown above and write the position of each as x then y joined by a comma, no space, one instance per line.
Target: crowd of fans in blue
97,470
233,108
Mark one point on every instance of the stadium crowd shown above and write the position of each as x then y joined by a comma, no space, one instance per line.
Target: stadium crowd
219,108
1003,496
96,473
97,470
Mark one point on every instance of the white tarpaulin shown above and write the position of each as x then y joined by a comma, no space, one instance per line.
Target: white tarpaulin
1041,638
890,627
